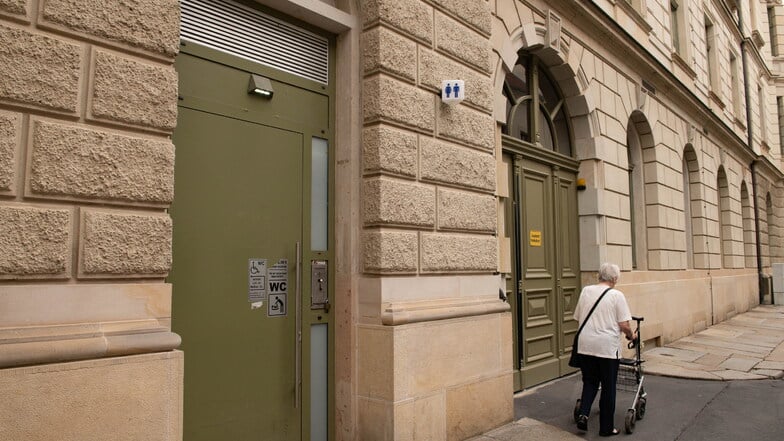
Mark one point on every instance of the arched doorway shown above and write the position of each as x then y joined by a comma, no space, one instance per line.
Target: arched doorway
545,280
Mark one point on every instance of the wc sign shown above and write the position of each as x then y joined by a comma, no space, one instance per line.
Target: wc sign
452,91
277,284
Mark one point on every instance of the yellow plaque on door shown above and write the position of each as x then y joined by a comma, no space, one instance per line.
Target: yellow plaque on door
535,238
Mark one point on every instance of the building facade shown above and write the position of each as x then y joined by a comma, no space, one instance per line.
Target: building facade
230,219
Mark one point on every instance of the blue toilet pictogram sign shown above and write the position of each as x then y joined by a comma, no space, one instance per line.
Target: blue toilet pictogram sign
452,91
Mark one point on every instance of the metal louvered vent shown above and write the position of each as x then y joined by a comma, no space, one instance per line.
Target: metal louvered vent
247,33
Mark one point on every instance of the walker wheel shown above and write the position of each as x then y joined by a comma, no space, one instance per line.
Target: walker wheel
577,409
631,420
641,408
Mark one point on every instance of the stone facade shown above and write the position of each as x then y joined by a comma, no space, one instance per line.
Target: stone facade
429,168
675,176
87,106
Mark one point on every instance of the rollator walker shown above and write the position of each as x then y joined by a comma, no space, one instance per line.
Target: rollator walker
630,379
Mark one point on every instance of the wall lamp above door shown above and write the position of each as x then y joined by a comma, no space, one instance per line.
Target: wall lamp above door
261,86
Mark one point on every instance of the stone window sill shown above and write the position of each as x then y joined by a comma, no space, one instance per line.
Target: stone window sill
677,59
715,98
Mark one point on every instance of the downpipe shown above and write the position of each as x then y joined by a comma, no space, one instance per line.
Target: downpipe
749,143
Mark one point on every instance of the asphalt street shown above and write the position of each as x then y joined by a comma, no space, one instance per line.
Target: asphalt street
677,409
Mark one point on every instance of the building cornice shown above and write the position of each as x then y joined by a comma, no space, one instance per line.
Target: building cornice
617,40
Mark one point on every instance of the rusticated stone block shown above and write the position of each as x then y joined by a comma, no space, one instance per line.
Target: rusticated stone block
71,161
389,201
433,68
466,125
34,242
387,99
455,252
149,25
387,51
444,162
10,127
410,16
476,13
388,149
133,92
125,244
390,251
39,70
14,7
463,43
460,210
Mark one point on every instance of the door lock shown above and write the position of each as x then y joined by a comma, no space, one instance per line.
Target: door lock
319,285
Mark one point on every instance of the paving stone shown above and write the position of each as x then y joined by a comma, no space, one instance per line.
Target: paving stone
740,364
669,370
737,375
722,331
527,429
679,354
771,373
712,349
712,360
715,342
744,338
779,365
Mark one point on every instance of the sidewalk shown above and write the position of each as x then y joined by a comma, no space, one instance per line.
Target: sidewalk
749,346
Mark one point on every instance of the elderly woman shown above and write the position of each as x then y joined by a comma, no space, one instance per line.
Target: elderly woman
599,345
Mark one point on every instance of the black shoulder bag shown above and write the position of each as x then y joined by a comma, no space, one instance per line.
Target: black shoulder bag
574,359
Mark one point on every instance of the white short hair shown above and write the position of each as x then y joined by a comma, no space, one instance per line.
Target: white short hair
609,272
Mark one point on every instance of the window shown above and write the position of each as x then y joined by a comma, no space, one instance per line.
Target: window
688,153
711,50
774,40
637,130
539,117
734,78
637,5
675,31
748,226
763,114
769,224
780,111
725,220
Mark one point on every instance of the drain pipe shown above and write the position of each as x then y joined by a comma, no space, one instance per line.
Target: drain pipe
760,274
750,142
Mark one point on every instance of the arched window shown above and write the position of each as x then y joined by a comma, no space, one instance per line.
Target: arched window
725,219
535,110
690,177
638,138
748,227
768,229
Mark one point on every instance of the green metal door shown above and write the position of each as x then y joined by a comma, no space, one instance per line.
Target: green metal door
242,232
546,264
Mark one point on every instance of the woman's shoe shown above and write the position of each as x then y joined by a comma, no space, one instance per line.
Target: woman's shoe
613,433
582,422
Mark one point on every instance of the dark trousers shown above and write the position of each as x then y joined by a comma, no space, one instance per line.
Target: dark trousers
598,371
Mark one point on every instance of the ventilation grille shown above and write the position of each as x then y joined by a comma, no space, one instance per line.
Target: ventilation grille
247,33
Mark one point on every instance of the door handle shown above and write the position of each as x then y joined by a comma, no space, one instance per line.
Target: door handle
298,324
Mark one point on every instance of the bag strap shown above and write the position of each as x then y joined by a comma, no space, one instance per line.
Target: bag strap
591,312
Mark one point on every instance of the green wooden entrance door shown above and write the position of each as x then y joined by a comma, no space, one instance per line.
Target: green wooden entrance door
547,276
242,232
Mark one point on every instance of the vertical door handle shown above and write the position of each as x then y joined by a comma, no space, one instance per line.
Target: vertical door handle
298,331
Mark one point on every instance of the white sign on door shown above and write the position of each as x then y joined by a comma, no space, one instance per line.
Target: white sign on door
257,282
277,284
